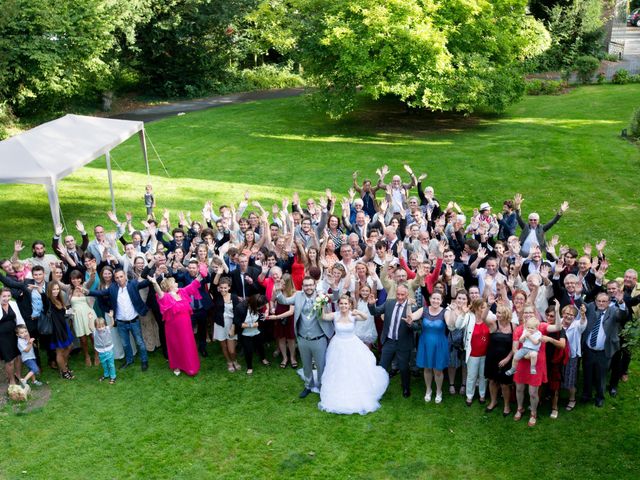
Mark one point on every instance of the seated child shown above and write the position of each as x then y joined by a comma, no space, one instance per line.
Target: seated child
531,341
25,345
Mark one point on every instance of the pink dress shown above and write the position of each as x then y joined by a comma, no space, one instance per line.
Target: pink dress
181,344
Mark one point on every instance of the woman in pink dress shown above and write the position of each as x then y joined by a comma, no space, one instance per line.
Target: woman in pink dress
175,306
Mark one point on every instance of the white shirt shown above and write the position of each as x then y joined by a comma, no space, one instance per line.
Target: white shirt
394,328
125,309
574,337
530,241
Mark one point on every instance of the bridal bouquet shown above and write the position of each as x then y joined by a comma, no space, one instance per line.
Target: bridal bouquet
319,303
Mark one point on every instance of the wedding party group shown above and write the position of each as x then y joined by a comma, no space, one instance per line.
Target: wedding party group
347,292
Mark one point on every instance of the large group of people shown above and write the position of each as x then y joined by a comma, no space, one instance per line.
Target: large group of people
396,282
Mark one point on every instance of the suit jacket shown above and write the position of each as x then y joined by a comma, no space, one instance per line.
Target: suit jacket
79,249
613,316
297,300
236,282
540,230
133,287
405,331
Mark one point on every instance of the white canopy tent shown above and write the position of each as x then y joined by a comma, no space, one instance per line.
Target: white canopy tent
51,151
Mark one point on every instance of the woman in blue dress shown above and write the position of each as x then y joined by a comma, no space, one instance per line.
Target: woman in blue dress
433,346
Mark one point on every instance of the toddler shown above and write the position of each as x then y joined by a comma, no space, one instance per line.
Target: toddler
25,345
103,344
149,201
531,341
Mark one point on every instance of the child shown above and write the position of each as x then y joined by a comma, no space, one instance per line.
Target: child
531,341
149,201
25,345
103,344
22,270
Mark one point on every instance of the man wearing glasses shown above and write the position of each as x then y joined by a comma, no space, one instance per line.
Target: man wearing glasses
532,233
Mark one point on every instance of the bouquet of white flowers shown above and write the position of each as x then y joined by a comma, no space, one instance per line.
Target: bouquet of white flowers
319,303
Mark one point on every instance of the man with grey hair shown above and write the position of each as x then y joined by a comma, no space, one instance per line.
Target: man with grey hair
532,234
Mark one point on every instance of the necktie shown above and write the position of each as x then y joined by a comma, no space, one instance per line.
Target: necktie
593,336
396,321
572,300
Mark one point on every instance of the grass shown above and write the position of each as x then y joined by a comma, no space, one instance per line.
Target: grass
157,426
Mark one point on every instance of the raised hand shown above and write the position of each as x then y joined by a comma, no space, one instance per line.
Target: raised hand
128,216
295,198
408,169
517,201
59,230
80,226
587,249
352,194
554,241
18,246
600,245
544,271
482,253
246,195
422,177
384,171
564,206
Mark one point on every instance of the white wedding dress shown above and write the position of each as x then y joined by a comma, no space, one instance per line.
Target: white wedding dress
351,382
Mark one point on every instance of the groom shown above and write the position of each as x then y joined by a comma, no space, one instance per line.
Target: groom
397,334
312,333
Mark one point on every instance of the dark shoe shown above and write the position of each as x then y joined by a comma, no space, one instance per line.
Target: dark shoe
482,401
304,393
600,403
489,409
394,372
125,365
468,402
613,392
203,352
145,366
406,393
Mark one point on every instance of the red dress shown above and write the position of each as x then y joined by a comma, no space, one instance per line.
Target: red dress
297,273
176,314
523,374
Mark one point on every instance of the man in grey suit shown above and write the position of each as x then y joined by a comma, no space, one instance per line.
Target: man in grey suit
600,341
312,333
397,333
533,233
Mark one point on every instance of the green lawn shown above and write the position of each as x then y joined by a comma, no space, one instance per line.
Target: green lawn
154,425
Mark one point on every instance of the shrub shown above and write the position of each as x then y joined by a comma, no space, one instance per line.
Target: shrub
544,87
6,120
586,66
269,76
611,57
621,77
634,124
601,78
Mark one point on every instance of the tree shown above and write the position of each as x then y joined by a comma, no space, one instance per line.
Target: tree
52,51
458,55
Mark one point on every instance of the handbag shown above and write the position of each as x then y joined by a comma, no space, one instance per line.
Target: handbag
45,325
456,338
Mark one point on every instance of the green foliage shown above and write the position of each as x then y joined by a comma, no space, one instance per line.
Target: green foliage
634,129
576,29
269,76
611,57
621,77
544,87
53,51
586,66
457,56
191,47
6,120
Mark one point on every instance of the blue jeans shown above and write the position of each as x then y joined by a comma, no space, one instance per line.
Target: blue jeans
108,364
134,327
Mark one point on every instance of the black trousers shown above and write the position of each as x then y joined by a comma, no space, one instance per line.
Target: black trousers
619,366
250,345
199,321
155,309
389,350
595,365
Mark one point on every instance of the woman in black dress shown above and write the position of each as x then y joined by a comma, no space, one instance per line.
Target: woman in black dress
9,352
498,358
61,337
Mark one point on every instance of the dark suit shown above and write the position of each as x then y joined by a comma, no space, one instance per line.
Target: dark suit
596,362
402,346
133,287
242,288
540,231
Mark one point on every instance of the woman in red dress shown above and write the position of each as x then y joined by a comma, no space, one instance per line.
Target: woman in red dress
523,376
175,306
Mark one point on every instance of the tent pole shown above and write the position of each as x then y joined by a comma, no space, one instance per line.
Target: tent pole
54,204
143,144
113,198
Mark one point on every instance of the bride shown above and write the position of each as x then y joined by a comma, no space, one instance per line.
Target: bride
351,382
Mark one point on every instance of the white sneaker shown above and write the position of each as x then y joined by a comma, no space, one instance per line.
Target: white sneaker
427,397
438,397
176,372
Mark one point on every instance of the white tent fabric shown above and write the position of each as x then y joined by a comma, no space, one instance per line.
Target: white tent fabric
51,151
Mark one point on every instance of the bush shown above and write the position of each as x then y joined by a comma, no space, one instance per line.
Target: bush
586,66
621,77
6,120
544,87
602,78
634,124
269,76
611,57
